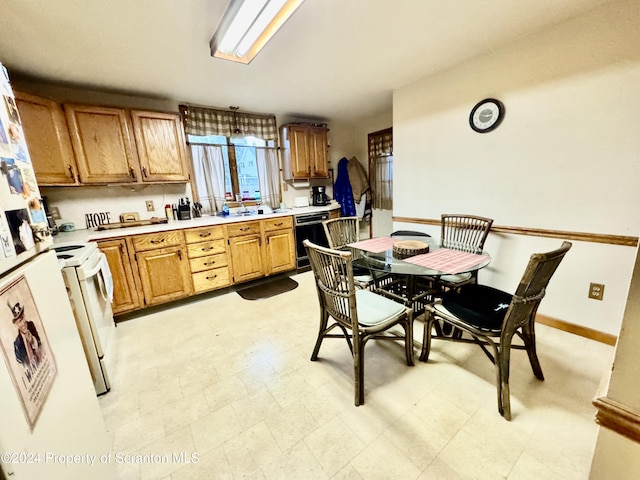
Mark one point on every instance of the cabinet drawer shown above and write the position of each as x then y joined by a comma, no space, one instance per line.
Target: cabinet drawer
202,249
194,235
243,228
210,279
150,241
278,223
208,262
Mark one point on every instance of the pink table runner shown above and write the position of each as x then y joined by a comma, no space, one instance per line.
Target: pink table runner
447,260
375,245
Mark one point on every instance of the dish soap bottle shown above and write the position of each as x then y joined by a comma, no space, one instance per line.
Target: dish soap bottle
225,209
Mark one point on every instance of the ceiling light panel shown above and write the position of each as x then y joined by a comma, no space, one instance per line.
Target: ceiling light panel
247,26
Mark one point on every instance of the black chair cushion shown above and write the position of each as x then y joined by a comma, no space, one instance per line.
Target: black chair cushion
479,305
357,271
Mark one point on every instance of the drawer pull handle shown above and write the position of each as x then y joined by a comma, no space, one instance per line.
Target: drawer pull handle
157,241
245,229
279,224
71,174
208,234
209,263
206,249
212,277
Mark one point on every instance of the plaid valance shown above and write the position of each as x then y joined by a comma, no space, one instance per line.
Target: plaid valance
209,121
381,143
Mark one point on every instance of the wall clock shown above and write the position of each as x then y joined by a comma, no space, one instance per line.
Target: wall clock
486,115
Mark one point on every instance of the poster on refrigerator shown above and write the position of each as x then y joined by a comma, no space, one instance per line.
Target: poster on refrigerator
25,348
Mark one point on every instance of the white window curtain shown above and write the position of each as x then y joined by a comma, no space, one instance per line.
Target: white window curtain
208,164
268,176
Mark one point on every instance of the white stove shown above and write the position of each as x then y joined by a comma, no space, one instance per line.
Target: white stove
90,288
75,254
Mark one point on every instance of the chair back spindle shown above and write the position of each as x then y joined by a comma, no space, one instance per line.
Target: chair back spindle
464,232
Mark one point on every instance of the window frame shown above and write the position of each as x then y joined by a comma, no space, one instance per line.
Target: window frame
233,168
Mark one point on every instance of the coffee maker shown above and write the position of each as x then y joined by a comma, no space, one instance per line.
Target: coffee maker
319,197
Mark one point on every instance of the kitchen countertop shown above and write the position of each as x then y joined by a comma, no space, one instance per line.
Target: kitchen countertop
84,235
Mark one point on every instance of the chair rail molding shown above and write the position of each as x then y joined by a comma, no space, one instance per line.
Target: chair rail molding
627,241
618,418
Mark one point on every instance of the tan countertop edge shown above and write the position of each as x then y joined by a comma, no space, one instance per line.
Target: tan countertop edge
83,236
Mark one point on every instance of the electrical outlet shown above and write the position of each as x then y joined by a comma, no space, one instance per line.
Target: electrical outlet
596,291
149,204
55,213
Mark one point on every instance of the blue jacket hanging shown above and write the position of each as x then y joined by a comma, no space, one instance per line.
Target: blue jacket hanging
342,192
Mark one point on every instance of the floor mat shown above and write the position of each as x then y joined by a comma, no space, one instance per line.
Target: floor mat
268,289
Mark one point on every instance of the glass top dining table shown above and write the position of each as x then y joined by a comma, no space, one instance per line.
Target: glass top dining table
377,254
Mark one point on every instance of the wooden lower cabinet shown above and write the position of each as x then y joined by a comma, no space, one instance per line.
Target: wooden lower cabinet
280,247
208,264
155,268
164,274
246,257
163,266
125,291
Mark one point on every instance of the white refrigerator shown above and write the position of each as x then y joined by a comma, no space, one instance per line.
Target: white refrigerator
51,425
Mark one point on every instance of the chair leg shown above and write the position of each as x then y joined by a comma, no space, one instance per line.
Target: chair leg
426,336
324,318
358,367
504,393
529,339
408,340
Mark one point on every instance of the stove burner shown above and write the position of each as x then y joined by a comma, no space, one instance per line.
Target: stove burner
65,248
64,257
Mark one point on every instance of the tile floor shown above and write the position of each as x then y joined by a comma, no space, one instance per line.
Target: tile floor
228,382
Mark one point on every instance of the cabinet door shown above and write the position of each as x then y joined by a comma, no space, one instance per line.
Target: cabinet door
103,144
246,258
161,146
318,161
125,292
280,251
299,145
164,274
47,136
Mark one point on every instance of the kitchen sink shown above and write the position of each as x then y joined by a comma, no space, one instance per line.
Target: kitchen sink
243,214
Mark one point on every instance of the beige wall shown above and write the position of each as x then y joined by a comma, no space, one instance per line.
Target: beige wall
564,158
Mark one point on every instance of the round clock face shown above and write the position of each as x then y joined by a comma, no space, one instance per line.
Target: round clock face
486,115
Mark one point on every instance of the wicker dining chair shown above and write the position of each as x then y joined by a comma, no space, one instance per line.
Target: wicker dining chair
467,233
342,231
361,315
492,317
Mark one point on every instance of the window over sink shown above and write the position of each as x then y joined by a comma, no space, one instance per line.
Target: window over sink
235,157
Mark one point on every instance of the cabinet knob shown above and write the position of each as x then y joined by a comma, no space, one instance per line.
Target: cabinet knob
132,173
144,172
71,174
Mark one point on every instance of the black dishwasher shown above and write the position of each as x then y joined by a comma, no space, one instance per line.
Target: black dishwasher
309,226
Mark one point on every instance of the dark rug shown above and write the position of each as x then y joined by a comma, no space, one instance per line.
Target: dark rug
268,289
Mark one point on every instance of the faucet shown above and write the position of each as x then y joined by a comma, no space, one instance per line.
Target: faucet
244,209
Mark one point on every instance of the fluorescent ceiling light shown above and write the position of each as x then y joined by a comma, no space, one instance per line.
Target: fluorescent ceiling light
247,26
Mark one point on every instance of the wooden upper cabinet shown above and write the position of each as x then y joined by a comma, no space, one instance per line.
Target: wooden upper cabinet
47,136
318,156
161,146
103,144
305,151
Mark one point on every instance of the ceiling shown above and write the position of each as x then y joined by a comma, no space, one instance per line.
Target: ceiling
333,60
